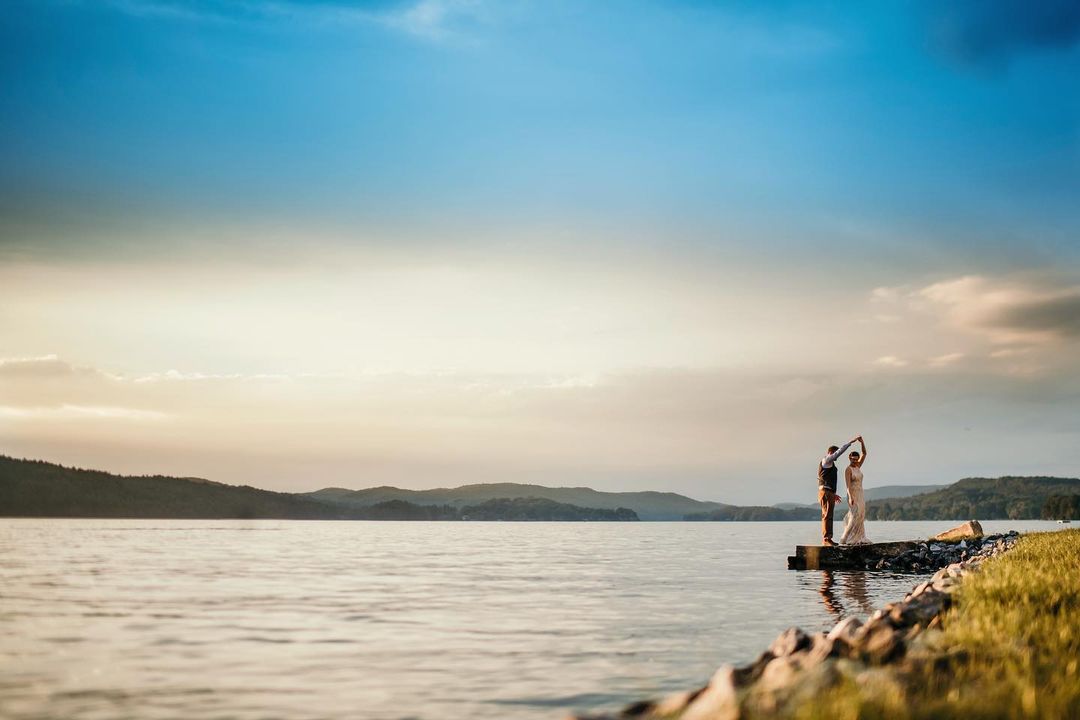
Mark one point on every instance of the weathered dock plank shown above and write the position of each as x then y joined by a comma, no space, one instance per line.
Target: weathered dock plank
845,557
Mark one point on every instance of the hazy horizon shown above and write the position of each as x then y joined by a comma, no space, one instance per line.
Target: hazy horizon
643,246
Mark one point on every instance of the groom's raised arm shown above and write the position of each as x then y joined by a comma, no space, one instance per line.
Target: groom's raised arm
840,451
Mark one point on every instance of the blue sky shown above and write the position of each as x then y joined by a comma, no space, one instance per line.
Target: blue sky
546,214
781,118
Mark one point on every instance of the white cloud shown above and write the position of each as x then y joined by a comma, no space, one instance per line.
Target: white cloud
79,412
890,361
45,366
177,376
1007,311
434,19
886,294
945,360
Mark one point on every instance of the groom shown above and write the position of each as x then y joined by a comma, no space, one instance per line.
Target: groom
827,497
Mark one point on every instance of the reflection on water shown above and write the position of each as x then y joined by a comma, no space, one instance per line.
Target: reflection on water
256,619
847,593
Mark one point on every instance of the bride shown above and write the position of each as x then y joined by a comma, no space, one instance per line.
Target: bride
854,530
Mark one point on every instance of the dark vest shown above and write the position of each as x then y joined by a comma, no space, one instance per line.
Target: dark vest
826,477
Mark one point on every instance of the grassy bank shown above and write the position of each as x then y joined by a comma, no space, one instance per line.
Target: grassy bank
1009,647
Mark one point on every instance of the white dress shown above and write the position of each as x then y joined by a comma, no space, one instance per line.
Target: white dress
854,523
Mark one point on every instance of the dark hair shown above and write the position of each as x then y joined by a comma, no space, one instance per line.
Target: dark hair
833,448
853,453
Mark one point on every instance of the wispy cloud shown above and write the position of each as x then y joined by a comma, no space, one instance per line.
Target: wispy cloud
891,361
1008,311
80,412
945,360
44,366
427,19
437,19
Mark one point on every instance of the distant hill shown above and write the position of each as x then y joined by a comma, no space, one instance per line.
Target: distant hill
899,491
1013,498
733,513
647,505
517,509
541,509
33,488
872,493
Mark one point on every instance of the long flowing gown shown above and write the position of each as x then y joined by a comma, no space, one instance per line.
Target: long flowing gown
854,523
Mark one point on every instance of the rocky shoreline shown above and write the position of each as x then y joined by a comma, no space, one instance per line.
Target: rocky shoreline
935,554
798,666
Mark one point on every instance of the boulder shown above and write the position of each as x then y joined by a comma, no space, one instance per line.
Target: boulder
881,645
718,701
846,629
970,529
790,641
673,705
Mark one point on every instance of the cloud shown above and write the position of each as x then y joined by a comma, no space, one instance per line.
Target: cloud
891,361
945,360
428,19
1057,314
436,19
991,32
79,412
1007,311
887,295
41,366
45,366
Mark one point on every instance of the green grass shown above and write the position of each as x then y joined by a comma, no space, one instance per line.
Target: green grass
1009,648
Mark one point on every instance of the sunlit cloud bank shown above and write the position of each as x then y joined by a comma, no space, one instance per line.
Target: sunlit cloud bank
436,375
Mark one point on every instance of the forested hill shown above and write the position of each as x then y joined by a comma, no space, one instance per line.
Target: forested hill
649,505
33,488
1013,498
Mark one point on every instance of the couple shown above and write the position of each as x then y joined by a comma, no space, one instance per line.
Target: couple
854,531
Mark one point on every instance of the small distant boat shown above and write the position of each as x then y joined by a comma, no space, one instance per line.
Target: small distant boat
1064,522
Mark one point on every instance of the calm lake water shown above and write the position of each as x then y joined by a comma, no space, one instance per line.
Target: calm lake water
283,619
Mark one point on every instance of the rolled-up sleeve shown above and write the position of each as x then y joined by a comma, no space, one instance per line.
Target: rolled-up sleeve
832,457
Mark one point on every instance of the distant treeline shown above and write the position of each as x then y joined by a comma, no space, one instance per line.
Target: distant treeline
1062,507
736,513
1005,498
498,509
32,488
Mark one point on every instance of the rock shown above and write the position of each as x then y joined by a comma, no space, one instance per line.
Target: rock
919,589
742,676
881,645
845,630
945,584
921,610
718,701
790,641
779,674
673,705
821,649
970,529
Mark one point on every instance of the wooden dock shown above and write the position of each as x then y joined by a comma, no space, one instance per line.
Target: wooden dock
845,557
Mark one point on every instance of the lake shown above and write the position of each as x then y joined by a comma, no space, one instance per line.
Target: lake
306,619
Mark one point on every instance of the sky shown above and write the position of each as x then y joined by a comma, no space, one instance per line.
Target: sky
674,245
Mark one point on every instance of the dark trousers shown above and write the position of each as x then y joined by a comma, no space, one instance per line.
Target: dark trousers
827,499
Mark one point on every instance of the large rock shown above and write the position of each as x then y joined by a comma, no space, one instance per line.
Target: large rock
718,701
970,529
790,641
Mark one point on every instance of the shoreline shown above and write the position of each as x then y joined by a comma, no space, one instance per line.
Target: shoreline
868,666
